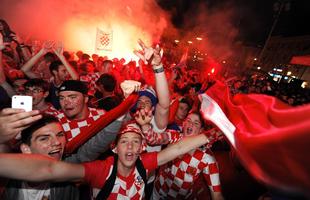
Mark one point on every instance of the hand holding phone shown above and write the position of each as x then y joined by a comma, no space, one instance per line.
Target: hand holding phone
23,102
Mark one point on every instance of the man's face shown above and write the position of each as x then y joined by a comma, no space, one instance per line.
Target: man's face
182,111
18,86
37,93
48,140
90,68
62,73
108,68
73,104
144,102
191,125
128,149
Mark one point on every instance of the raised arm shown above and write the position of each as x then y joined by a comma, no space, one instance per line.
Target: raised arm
59,52
27,67
8,88
2,46
183,146
25,53
153,56
35,167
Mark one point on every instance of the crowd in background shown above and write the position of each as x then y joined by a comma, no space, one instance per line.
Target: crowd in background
49,74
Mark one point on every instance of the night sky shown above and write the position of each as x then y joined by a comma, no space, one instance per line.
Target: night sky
253,18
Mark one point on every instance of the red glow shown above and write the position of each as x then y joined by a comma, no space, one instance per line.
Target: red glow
75,23
84,38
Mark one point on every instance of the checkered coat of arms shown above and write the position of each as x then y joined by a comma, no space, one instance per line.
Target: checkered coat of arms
104,40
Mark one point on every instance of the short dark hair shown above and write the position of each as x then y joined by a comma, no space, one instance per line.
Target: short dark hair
37,82
54,66
85,56
107,81
73,85
49,57
26,134
187,101
66,54
106,62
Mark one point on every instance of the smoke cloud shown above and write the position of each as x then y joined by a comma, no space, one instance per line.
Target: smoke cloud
216,26
75,22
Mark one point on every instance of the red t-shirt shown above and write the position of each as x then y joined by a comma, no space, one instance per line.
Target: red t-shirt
131,187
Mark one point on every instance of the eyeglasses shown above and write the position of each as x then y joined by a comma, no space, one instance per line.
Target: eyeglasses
33,91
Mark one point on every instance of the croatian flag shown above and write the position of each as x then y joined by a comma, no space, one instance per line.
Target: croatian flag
104,40
271,138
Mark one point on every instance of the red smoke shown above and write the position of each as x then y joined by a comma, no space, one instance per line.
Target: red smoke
75,22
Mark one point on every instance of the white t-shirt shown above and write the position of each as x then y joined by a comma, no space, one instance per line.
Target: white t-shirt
39,192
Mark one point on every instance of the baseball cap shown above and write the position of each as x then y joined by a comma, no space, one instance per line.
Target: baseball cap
130,126
73,85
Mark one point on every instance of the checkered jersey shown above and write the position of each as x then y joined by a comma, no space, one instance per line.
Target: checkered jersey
213,134
169,136
130,187
176,179
74,127
91,81
172,136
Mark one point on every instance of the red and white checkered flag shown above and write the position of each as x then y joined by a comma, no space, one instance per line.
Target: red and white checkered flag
104,40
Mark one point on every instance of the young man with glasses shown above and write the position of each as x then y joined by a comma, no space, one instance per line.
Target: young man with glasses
39,90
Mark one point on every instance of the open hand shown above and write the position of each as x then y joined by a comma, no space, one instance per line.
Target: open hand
149,54
13,121
48,46
144,116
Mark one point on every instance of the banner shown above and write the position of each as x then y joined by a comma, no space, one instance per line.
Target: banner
104,40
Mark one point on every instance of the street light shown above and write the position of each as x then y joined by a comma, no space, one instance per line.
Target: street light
198,38
189,42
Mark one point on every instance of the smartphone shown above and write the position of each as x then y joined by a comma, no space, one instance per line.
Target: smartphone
23,102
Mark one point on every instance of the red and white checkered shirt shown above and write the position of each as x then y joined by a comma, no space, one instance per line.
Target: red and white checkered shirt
176,179
91,81
74,127
125,188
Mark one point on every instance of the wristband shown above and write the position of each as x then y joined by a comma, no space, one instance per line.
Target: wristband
159,70
2,47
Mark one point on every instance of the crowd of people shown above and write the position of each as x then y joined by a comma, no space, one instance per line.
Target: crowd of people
159,147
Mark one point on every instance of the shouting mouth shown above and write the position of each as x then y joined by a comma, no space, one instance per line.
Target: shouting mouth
55,154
